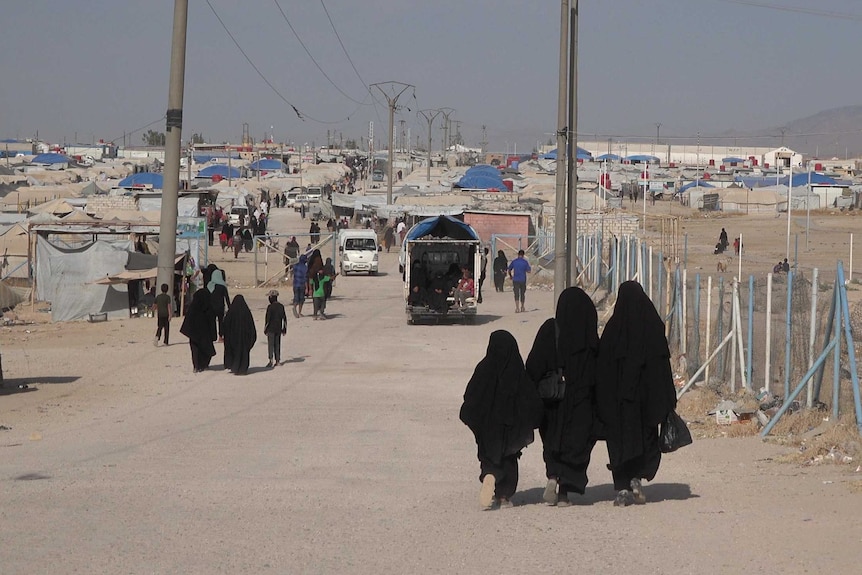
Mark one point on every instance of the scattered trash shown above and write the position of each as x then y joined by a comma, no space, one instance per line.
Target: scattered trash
828,482
7,428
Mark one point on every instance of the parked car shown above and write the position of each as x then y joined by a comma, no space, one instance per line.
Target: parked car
377,175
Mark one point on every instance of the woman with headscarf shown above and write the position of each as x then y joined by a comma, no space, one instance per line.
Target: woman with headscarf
219,298
501,264
569,341
239,336
199,327
315,264
634,391
329,270
501,408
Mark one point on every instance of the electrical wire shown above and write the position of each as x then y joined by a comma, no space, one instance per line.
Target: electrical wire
304,47
808,11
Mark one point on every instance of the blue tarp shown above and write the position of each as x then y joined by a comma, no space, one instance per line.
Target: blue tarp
483,169
608,158
219,170
50,159
694,184
733,160
442,227
142,179
204,158
267,164
481,181
582,154
642,158
801,179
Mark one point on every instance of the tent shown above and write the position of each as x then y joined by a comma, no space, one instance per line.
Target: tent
582,154
608,158
267,165
442,227
642,159
219,170
50,159
142,179
695,184
733,160
481,182
801,179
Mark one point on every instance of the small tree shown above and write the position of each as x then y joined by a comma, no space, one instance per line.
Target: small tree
350,144
198,139
153,138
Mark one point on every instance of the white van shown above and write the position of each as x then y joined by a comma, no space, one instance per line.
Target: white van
359,251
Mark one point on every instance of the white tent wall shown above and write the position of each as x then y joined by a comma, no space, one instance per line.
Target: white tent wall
64,277
186,206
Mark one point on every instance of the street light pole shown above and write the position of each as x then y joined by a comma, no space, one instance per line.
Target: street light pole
560,260
396,89
429,116
173,142
446,113
572,149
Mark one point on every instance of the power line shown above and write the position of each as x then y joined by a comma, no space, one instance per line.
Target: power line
304,47
808,11
299,114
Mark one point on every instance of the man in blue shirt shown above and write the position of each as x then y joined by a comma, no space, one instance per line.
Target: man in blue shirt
300,277
518,270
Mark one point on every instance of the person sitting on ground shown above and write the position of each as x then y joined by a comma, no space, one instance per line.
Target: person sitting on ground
719,249
777,268
785,267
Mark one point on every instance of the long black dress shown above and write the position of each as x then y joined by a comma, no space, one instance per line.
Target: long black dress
567,426
239,336
634,389
501,264
501,408
199,327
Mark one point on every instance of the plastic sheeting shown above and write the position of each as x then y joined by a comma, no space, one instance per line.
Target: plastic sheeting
64,277
187,206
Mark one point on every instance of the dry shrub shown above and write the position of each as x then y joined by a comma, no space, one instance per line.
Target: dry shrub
798,423
842,439
696,403
747,428
855,487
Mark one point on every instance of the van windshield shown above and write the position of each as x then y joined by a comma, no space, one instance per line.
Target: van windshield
360,244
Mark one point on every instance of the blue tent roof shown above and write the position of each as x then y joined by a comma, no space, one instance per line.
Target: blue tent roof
266,164
582,154
695,184
801,179
483,169
643,158
219,170
608,158
142,179
442,227
732,160
50,159
481,181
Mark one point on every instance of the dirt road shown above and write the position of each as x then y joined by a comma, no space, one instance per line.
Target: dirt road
350,459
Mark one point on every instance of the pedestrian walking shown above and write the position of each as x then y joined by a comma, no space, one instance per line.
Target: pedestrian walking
300,282
569,341
274,326
634,391
164,312
219,298
482,274
518,270
501,408
318,286
501,264
199,327
239,336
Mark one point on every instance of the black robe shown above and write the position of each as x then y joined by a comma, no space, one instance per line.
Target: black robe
199,327
501,406
239,336
567,429
634,390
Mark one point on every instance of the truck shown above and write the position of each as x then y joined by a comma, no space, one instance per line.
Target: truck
437,248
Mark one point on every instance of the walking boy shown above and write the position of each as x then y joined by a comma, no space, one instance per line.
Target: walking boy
274,326
164,311
518,270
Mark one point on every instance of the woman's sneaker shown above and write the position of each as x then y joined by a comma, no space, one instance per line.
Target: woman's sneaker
486,493
550,494
623,499
638,492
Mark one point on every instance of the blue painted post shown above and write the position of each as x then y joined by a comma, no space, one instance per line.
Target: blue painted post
678,306
836,360
851,352
720,326
748,367
788,333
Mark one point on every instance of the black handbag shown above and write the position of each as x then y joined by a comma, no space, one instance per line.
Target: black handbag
552,385
674,433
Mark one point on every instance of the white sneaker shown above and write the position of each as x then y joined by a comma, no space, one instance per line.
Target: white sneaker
550,494
486,493
638,491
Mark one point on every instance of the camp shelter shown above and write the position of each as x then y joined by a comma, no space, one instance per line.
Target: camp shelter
757,201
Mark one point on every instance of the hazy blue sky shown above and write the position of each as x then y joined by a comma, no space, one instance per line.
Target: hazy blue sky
100,67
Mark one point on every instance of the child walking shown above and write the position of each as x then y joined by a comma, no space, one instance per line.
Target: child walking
318,285
275,326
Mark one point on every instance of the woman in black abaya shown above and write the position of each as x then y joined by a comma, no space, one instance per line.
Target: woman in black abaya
567,426
199,327
634,391
501,408
239,336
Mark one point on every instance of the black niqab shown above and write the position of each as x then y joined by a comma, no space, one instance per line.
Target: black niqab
501,406
199,327
239,336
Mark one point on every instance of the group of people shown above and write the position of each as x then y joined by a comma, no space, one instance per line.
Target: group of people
722,244
781,267
212,316
312,277
617,388
432,289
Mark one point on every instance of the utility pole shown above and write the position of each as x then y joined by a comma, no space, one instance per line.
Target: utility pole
560,259
484,142
429,116
446,113
657,128
173,142
572,149
392,95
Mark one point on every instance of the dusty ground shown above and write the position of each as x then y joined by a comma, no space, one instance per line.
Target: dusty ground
350,458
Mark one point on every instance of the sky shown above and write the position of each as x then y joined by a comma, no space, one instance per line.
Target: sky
94,70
